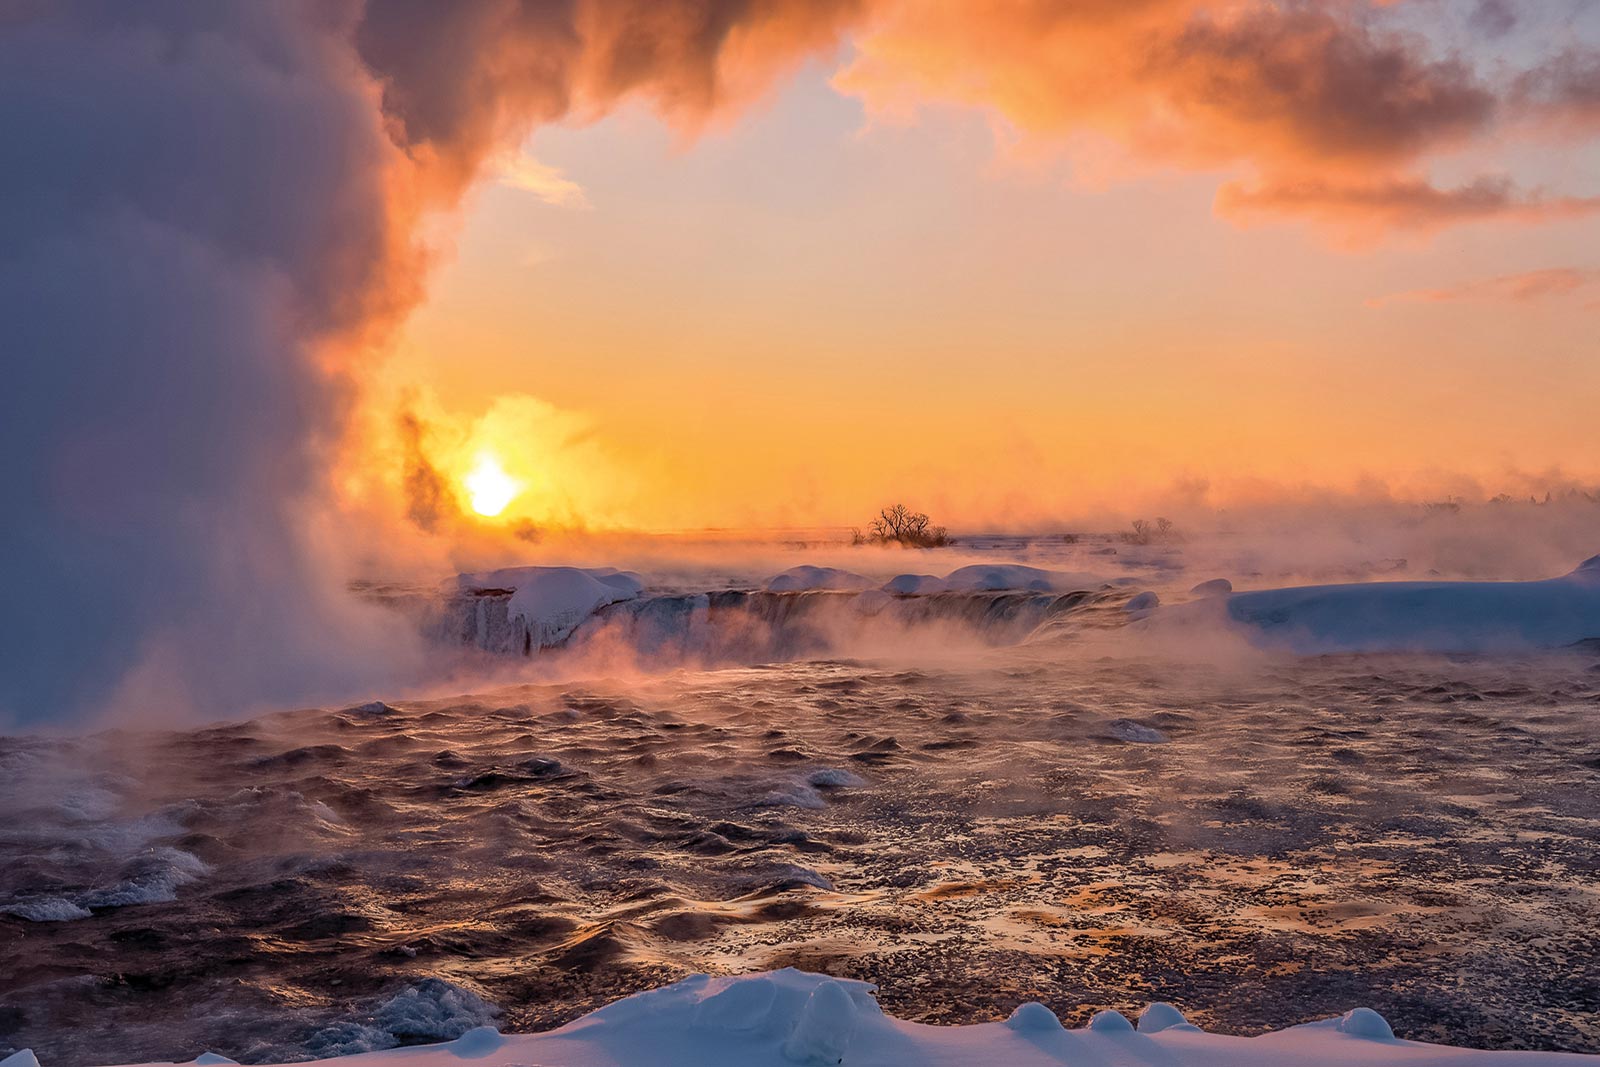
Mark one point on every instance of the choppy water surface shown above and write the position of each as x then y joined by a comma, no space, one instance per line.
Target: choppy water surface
1263,847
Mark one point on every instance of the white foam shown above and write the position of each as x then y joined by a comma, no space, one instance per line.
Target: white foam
46,910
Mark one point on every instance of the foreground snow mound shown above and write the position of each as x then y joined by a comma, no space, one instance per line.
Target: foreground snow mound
1419,616
789,1017
554,601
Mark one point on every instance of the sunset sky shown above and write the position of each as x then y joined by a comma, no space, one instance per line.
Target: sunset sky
301,291
910,271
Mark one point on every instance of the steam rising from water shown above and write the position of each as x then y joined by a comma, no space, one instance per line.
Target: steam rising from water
209,214
198,213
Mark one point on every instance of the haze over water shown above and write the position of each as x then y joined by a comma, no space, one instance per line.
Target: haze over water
1050,507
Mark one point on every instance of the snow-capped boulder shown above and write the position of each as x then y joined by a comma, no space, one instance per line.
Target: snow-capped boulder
806,578
1160,1016
1142,603
1033,1018
1110,1021
1365,1023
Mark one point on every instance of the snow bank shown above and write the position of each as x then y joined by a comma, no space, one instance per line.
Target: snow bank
991,577
1421,616
978,578
554,601
1214,587
806,578
789,1017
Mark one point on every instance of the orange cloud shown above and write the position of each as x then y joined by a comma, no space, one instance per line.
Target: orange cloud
1329,112
1332,116
1361,212
462,80
1196,83
1522,288
543,181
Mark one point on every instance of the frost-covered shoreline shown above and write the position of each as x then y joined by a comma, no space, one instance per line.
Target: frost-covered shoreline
788,1017
810,609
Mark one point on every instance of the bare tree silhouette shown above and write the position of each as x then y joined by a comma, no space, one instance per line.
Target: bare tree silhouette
898,524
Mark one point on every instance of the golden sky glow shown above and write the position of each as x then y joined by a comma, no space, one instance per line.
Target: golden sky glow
980,287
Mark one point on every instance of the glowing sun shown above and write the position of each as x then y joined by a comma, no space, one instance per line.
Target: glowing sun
489,487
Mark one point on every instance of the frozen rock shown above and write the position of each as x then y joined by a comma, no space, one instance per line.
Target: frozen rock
1145,601
1215,587
991,577
1160,1016
207,1059
913,585
1033,1018
1365,1023
478,1042
981,577
1110,1021
806,578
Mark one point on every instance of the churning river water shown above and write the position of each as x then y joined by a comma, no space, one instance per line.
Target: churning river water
1261,844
